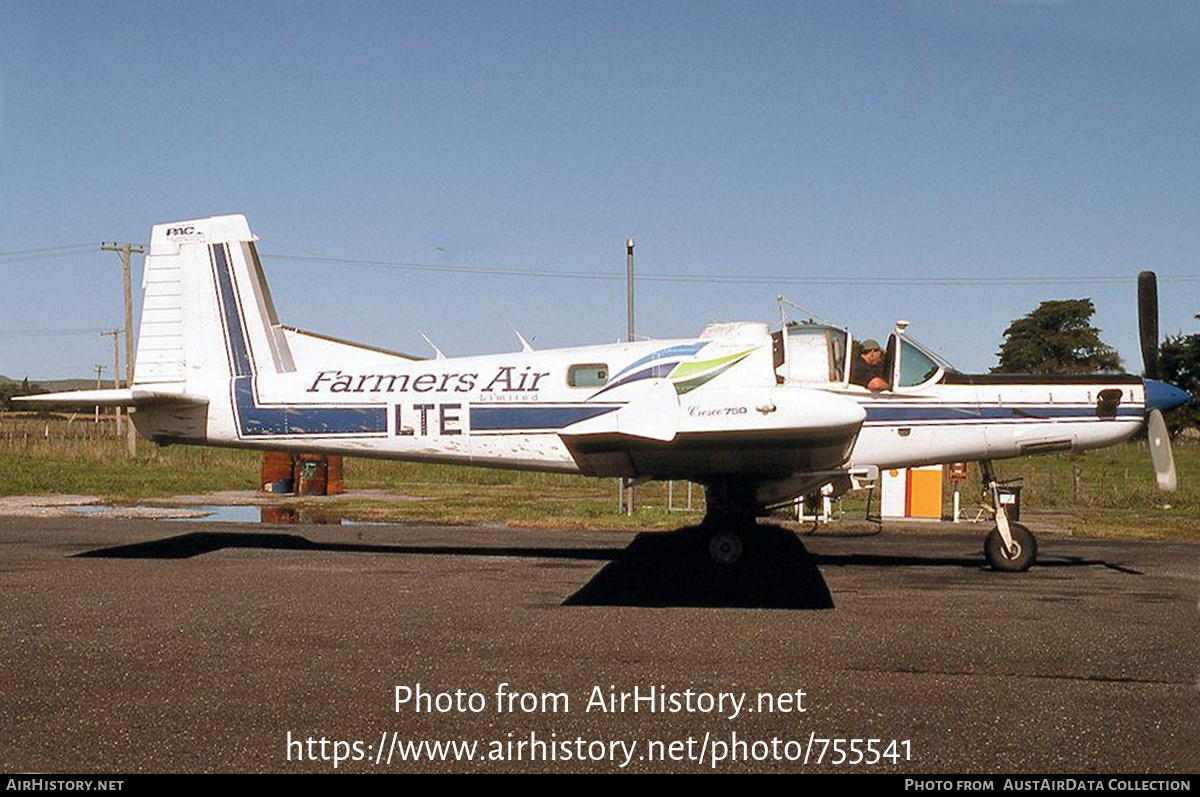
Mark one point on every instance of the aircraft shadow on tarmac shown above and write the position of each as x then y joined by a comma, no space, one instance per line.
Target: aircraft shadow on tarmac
655,570
776,571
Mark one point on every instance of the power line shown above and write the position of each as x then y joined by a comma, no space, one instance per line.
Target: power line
49,333
719,279
44,252
748,279
399,266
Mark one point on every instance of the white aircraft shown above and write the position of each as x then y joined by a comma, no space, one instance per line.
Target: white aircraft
757,417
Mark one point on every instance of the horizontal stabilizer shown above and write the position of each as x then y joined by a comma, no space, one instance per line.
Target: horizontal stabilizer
114,397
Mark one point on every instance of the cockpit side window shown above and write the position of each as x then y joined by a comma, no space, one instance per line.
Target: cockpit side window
813,354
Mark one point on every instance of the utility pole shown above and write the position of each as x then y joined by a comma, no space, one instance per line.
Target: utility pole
628,484
116,333
629,287
125,250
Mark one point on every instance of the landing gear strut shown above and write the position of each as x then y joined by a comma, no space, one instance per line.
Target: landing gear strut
1009,547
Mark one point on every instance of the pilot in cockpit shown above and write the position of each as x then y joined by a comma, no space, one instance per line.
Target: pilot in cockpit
867,369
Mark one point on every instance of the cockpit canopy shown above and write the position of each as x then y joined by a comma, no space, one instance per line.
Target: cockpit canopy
817,355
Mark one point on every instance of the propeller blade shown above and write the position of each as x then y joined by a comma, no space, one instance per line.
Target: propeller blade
1160,451
1148,322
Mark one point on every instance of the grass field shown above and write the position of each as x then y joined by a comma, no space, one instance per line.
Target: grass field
1105,493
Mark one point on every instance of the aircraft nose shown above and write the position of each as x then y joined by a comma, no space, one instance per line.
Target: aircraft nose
1162,396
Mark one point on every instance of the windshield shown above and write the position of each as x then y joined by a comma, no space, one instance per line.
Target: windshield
930,353
917,364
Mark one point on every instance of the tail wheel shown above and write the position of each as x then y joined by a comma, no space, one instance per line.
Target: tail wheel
1019,558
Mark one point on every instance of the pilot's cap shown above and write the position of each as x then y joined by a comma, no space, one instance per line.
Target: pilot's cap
870,344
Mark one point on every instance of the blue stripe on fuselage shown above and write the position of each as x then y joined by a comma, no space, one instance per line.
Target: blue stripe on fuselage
255,420
524,417
969,412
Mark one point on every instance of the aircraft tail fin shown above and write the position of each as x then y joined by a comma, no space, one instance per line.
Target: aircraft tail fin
207,314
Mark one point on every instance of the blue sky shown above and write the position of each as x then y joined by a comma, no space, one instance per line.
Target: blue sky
889,142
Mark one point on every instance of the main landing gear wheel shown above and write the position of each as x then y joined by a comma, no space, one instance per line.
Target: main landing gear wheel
1019,558
725,547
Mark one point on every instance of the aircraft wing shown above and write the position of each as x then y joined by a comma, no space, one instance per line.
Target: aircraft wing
765,433
654,415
